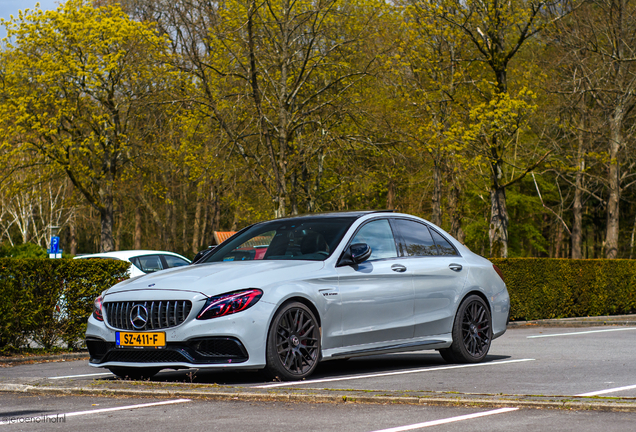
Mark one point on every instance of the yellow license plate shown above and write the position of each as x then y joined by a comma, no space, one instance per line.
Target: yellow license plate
124,339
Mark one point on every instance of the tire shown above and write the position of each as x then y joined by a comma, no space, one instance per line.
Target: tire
293,343
472,332
134,373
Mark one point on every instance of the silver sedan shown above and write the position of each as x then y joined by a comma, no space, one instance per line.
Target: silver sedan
285,294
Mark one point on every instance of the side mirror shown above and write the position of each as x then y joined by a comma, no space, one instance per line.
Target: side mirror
202,254
355,254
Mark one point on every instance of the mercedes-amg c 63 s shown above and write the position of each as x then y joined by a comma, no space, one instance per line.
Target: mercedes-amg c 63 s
285,294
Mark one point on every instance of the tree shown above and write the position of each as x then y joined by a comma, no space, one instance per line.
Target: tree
600,38
275,76
74,86
497,31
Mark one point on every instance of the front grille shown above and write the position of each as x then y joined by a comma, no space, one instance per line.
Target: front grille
161,314
211,350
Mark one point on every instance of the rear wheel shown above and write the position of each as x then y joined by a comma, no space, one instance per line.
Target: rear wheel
472,332
293,343
134,373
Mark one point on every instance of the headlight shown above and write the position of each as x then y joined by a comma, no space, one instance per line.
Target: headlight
97,309
226,304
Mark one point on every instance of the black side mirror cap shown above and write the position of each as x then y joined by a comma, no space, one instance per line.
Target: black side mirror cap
202,254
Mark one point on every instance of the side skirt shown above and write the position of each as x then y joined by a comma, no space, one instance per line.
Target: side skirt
429,344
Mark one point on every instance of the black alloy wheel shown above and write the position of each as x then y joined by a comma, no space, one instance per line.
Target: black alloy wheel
472,332
293,344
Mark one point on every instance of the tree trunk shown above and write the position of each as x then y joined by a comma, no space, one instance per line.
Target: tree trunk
436,216
169,239
577,225
137,235
454,208
498,230
120,222
184,237
204,221
196,242
631,242
106,243
613,184
73,234
390,195
293,198
173,224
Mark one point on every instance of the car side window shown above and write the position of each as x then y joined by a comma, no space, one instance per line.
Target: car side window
416,237
445,248
173,261
147,263
379,236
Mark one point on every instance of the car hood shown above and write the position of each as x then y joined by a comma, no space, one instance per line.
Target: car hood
221,277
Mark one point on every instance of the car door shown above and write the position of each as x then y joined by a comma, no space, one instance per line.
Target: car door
439,274
376,295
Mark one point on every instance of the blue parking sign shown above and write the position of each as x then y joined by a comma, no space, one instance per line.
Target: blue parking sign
55,245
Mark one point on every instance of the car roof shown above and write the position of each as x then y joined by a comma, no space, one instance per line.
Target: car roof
127,254
355,214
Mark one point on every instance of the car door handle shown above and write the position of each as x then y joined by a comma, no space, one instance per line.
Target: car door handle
398,268
455,267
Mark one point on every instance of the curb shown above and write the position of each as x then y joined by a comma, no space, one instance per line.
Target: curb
599,321
67,356
558,402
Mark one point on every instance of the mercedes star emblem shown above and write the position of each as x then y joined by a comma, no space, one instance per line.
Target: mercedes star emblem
139,316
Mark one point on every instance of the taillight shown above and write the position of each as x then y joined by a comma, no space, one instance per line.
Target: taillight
498,270
97,309
226,304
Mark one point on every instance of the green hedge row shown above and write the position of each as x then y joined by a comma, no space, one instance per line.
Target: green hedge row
543,288
49,301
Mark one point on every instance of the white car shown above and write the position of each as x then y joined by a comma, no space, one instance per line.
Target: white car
285,294
143,261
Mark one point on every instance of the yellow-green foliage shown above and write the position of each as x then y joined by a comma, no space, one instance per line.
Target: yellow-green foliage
49,301
558,288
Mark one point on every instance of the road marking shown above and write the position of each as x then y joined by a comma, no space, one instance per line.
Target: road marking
448,420
59,417
579,333
289,384
81,376
612,390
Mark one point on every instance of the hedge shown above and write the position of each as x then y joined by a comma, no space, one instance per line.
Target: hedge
49,301
543,288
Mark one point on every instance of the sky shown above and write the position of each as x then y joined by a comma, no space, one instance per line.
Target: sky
11,7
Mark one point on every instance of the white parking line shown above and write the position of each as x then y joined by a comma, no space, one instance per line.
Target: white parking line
289,384
448,420
612,390
62,417
580,333
80,376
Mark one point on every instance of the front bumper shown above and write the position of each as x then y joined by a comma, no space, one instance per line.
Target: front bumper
234,341
199,351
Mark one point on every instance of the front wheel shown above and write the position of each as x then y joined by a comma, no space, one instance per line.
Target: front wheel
293,343
472,332
134,373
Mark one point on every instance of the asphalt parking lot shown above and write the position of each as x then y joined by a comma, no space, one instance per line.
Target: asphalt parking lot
535,378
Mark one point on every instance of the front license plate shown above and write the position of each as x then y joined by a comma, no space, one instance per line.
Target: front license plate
155,340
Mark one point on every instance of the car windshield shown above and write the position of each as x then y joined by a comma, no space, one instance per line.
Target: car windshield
288,239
